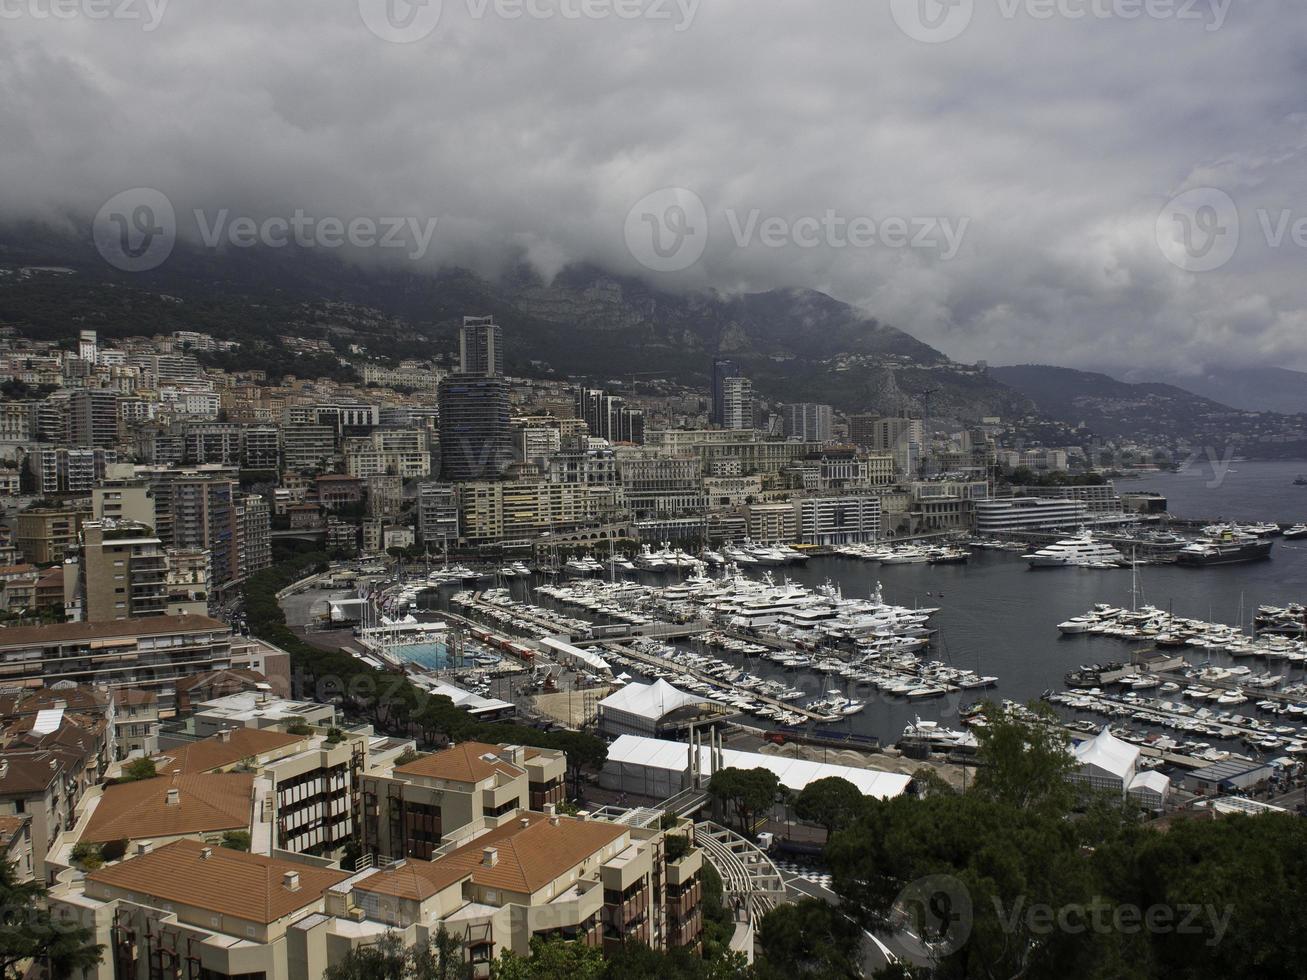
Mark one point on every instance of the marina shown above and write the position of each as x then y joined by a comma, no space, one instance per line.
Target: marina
846,640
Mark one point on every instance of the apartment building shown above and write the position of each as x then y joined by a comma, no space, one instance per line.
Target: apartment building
211,442
772,523
55,470
38,786
308,447
123,501
437,513
148,654
412,810
728,452
653,485
131,717
93,418
385,496
807,421
401,452
123,571
520,511
836,520
219,913
261,447
46,535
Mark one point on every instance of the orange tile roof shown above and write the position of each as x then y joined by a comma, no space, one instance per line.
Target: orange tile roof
215,752
10,826
528,858
145,626
207,803
461,763
232,883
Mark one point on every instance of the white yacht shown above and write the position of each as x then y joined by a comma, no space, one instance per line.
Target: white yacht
738,555
1077,624
1082,550
649,561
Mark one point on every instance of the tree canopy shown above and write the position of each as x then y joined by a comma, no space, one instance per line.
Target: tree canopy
29,932
832,803
747,792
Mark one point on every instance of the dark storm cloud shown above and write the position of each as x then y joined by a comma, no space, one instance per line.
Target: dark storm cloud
1040,150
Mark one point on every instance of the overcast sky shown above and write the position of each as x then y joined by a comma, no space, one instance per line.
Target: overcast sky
1025,165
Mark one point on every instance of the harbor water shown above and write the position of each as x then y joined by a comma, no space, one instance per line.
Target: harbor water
997,616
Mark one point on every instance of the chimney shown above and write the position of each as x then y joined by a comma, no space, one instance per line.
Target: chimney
582,814
224,735
291,880
206,853
174,797
490,856
526,822
551,810
143,847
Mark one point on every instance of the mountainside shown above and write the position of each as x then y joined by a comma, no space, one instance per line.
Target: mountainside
1269,389
795,344
1156,415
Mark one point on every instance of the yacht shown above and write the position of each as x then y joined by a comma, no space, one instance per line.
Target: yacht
1077,624
1225,547
585,565
1083,549
765,555
1295,532
907,555
648,561
738,555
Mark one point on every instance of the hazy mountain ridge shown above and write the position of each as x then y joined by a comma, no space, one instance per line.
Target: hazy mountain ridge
1259,389
795,344
1153,413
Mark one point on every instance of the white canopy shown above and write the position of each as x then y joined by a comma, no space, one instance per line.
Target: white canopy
1107,752
566,653
1151,781
651,701
794,774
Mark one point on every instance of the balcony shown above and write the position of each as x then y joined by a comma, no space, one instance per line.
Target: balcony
685,870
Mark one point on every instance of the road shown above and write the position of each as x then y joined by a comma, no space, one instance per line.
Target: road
880,948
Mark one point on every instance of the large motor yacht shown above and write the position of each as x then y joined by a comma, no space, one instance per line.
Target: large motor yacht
1084,550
